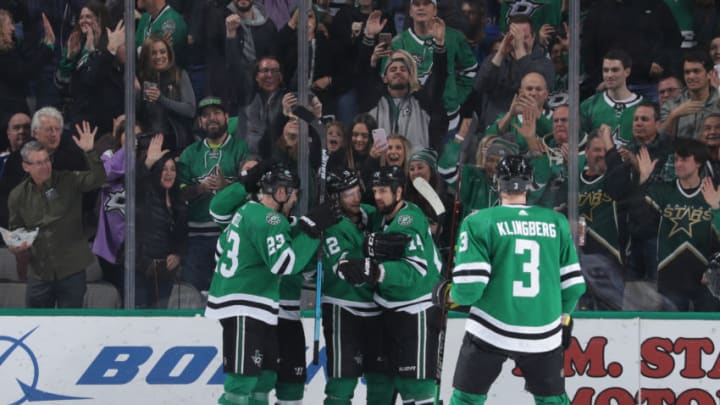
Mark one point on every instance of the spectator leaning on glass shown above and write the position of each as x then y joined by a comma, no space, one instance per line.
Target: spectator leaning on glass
49,200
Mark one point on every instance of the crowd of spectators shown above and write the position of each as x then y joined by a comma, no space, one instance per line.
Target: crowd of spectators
440,88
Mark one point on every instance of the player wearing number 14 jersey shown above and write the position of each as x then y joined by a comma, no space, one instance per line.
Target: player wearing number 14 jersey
517,267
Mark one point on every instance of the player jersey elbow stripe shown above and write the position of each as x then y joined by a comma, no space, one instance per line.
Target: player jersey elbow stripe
571,282
284,263
419,264
471,276
474,268
221,218
573,268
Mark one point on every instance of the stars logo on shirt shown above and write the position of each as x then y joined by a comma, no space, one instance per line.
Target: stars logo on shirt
272,218
526,7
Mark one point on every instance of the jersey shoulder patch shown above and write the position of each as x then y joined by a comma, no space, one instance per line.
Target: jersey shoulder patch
272,218
405,220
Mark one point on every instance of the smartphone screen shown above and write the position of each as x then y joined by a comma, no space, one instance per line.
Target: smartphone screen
385,37
379,138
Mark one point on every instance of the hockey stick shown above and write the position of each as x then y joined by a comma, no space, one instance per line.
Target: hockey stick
308,117
428,193
447,275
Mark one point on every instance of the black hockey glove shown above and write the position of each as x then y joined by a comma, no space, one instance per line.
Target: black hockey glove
385,246
318,219
360,271
441,295
567,326
251,178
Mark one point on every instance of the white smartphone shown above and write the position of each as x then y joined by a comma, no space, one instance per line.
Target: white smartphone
380,139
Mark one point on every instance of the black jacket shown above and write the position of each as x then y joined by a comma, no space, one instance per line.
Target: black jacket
161,230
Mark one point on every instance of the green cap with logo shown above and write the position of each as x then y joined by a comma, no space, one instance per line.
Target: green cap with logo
211,101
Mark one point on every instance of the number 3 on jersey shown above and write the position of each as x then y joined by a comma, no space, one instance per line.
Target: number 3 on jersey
531,267
233,240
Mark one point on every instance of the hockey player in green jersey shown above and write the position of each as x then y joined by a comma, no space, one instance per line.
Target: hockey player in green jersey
616,104
517,267
351,318
253,252
403,289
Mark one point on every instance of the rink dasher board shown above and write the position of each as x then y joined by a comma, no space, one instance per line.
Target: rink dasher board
177,360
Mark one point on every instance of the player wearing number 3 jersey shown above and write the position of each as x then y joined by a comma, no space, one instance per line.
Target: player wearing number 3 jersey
517,267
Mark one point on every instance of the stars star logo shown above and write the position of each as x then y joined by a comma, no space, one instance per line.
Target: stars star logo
526,7
683,221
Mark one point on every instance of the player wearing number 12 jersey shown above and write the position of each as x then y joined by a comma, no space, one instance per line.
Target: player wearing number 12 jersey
517,267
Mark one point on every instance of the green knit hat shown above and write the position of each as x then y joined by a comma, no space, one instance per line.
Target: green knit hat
428,156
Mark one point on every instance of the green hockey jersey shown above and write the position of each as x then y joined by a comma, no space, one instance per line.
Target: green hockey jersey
253,252
200,160
409,282
167,22
344,241
618,114
686,236
461,63
518,268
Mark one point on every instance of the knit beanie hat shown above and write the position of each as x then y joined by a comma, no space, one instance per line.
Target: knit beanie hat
428,156
502,147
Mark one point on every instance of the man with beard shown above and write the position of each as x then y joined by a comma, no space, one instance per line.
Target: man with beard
403,289
406,108
204,168
420,40
351,318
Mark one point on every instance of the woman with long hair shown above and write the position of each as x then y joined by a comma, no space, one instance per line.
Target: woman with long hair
166,102
89,75
162,227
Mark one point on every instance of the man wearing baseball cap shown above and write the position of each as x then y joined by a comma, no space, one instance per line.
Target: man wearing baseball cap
204,168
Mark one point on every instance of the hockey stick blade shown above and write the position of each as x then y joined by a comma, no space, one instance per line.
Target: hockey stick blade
427,192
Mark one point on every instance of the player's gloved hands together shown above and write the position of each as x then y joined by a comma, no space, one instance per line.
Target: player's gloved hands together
385,246
567,326
441,295
360,271
318,219
251,178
